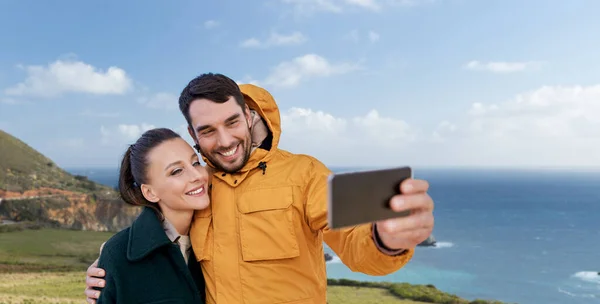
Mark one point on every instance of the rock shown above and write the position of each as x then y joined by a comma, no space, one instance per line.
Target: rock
429,242
328,257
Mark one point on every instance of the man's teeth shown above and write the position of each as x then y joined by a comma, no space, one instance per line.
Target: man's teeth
196,191
230,152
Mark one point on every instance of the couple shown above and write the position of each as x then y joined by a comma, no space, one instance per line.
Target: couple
251,230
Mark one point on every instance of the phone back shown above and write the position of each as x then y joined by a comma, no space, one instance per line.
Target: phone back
364,196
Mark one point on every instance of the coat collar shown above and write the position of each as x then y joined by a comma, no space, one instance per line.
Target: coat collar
146,235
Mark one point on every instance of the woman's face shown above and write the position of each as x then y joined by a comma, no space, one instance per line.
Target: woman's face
177,180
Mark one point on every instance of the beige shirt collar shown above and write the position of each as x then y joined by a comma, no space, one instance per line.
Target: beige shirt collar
182,240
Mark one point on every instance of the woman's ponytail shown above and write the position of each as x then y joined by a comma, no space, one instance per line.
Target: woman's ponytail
132,174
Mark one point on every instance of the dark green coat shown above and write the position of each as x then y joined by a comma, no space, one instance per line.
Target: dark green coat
143,266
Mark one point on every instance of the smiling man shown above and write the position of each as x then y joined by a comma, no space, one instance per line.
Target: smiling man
262,239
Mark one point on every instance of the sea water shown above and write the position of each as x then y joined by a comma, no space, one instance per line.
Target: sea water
530,237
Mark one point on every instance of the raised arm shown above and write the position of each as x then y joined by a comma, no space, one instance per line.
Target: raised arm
356,246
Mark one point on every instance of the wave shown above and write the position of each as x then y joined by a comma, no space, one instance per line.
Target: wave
334,260
587,285
443,245
439,245
578,295
588,276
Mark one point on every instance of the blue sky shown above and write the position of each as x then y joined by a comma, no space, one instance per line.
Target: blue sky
359,82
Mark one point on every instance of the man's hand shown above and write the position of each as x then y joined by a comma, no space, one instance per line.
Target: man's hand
407,232
92,280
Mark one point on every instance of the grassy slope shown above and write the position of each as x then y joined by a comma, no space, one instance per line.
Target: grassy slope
49,250
67,288
23,168
48,266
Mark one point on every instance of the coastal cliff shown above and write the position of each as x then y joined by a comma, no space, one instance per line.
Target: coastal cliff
33,189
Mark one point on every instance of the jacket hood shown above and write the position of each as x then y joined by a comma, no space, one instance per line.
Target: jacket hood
261,101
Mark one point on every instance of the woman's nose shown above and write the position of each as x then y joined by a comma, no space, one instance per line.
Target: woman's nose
199,173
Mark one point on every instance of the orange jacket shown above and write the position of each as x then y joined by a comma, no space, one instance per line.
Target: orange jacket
261,241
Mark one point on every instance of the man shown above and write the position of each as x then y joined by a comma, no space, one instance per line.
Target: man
262,239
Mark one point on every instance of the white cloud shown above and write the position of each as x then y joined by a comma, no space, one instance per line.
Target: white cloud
162,100
91,113
383,130
64,76
307,7
291,73
548,112
368,4
443,131
123,133
9,101
373,36
299,120
251,43
409,2
248,80
311,6
355,36
209,24
275,39
502,67
344,140
555,126
549,126
132,132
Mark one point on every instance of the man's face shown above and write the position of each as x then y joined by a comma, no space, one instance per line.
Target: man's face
222,131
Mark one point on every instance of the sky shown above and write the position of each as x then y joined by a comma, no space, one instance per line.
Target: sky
424,83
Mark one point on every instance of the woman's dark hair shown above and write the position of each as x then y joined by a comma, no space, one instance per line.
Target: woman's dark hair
133,171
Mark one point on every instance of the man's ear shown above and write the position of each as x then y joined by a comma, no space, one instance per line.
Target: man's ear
192,133
149,194
248,115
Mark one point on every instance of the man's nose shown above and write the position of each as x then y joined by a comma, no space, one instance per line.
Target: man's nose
225,139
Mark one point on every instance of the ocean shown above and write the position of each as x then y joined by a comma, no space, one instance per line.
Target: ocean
529,237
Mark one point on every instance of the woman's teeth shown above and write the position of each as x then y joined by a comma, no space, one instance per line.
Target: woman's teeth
195,192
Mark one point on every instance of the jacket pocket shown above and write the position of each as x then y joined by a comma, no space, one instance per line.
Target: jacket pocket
201,234
267,224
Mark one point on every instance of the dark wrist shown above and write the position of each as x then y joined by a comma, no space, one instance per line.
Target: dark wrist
382,247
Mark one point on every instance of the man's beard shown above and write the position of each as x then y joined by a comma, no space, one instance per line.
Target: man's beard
246,146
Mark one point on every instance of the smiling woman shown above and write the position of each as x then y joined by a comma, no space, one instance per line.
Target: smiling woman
162,173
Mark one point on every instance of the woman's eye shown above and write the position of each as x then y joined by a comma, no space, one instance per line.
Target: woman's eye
176,171
197,163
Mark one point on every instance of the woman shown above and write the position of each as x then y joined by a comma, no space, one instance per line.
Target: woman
149,262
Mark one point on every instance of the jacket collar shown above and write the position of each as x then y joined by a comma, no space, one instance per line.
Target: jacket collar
145,235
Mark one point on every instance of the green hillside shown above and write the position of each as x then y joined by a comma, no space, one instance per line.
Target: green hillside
23,168
33,189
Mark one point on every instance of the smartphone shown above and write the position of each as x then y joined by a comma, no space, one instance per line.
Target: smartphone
362,197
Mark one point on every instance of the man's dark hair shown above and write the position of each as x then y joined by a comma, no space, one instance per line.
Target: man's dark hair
215,87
